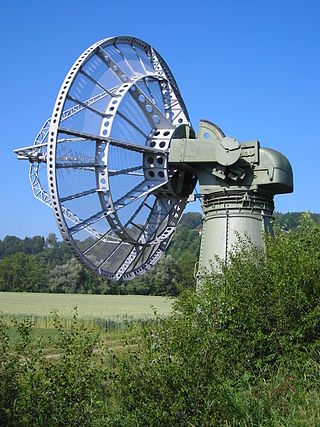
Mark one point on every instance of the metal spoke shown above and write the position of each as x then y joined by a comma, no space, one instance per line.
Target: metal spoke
140,188
77,108
97,83
100,240
162,121
88,107
30,147
124,58
152,233
151,215
112,65
111,141
79,165
92,219
132,124
134,215
119,204
62,140
139,255
125,171
140,60
110,255
77,195
149,90
72,217
136,212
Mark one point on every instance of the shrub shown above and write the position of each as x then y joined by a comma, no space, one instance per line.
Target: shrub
240,351
62,390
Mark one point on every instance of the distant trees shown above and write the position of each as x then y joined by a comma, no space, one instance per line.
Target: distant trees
290,220
11,245
23,272
67,278
73,277
185,247
191,220
162,279
51,241
175,269
46,265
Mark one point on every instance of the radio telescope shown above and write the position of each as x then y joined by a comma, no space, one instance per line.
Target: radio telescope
119,159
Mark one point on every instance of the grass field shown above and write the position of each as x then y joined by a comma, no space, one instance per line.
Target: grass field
90,307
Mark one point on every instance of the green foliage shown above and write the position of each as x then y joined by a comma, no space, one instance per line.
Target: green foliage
51,241
160,280
191,220
55,253
22,268
68,278
38,391
173,273
185,247
291,220
12,244
243,350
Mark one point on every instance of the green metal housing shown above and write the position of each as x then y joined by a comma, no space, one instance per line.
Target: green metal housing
237,181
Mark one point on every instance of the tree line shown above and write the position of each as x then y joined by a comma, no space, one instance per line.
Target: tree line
38,264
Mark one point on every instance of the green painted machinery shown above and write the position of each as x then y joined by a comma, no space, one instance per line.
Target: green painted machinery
238,181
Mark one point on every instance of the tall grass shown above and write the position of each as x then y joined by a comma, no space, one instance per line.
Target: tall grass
116,324
111,312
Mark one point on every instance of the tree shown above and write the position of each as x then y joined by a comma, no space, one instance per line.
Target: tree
191,220
67,278
29,245
291,220
23,272
58,254
173,272
51,240
161,279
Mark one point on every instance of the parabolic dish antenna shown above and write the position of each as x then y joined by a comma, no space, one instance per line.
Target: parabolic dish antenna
114,196
121,160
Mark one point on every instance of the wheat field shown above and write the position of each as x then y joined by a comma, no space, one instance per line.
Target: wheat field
89,307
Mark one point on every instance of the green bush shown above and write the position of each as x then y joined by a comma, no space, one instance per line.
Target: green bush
58,390
243,350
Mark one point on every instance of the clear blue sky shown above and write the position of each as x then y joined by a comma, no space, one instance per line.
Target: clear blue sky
252,67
